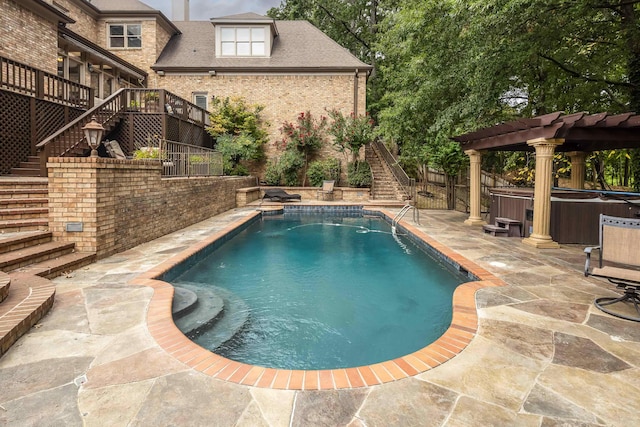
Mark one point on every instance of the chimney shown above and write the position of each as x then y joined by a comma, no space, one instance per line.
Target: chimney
180,10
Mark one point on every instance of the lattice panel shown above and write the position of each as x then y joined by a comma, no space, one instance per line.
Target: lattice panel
173,129
15,125
49,118
146,127
122,135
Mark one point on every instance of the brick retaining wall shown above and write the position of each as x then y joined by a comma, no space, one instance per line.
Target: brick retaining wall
124,203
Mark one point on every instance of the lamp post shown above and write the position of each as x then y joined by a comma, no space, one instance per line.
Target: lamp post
93,134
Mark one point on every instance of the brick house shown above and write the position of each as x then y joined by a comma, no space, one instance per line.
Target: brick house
106,45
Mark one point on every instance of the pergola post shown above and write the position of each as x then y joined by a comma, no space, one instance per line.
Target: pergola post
578,169
540,237
475,189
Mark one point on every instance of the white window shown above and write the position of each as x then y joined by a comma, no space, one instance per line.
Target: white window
242,41
128,36
200,99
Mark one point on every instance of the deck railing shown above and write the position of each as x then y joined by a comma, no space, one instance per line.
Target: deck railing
69,140
24,79
184,160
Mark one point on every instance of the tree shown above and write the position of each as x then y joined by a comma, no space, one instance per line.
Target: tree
450,67
306,136
239,131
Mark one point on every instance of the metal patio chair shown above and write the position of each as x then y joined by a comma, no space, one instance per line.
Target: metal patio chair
619,262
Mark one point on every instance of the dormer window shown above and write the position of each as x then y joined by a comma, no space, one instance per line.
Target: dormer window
243,41
127,36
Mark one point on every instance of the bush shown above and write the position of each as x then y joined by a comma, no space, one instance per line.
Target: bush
320,170
359,174
285,170
236,148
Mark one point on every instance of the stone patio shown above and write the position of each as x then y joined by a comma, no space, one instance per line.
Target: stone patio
543,354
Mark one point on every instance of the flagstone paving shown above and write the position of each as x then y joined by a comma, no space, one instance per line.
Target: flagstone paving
542,356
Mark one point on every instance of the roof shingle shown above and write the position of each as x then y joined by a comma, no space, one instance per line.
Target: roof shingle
299,46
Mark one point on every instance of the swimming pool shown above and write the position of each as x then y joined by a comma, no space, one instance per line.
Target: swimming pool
349,294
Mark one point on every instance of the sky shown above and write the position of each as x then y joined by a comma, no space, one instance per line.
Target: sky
203,10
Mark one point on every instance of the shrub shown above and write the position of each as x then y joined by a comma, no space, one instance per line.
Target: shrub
321,170
351,132
239,131
306,136
359,174
285,170
236,148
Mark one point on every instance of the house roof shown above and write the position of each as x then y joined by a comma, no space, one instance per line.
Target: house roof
121,5
581,132
131,9
299,47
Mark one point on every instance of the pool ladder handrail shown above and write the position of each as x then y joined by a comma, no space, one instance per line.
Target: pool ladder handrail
402,213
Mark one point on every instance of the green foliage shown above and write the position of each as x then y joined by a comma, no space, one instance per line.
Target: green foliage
149,153
234,149
239,131
234,116
320,170
350,133
359,174
285,170
448,157
306,136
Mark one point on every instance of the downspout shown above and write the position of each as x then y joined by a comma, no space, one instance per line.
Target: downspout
355,94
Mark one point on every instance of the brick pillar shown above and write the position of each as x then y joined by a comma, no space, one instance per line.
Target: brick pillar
578,169
475,189
540,238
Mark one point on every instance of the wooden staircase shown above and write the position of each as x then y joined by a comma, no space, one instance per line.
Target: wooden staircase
385,186
28,257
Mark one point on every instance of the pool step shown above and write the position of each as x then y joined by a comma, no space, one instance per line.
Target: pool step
195,309
218,316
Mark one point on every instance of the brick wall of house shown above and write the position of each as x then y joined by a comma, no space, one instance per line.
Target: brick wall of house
28,38
284,97
122,204
154,38
85,25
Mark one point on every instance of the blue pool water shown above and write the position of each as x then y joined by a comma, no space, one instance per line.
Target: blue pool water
306,291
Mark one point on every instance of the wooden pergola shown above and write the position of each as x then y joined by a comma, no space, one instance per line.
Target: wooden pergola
574,134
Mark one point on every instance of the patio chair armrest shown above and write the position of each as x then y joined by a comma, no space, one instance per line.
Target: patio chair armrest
587,263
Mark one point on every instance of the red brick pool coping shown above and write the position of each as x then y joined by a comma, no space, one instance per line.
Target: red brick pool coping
463,328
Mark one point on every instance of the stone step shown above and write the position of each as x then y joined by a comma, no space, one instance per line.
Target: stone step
23,213
13,226
5,284
34,254
15,183
195,308
23,193
18,241
222,326
59,265
29,202
30,299
25,172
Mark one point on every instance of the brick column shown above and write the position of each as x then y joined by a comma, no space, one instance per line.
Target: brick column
475,189
540,238
577,169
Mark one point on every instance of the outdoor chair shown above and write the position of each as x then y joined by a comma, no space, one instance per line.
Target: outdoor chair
326,191
279,195
619,262
114,150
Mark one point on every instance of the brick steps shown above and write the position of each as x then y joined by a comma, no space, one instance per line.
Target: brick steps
34,254
384,186
5,284
23,204
23,240
28,258
30,299
15,225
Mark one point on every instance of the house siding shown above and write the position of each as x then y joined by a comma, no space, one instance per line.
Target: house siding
85,25
154,37
284,98
28,38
